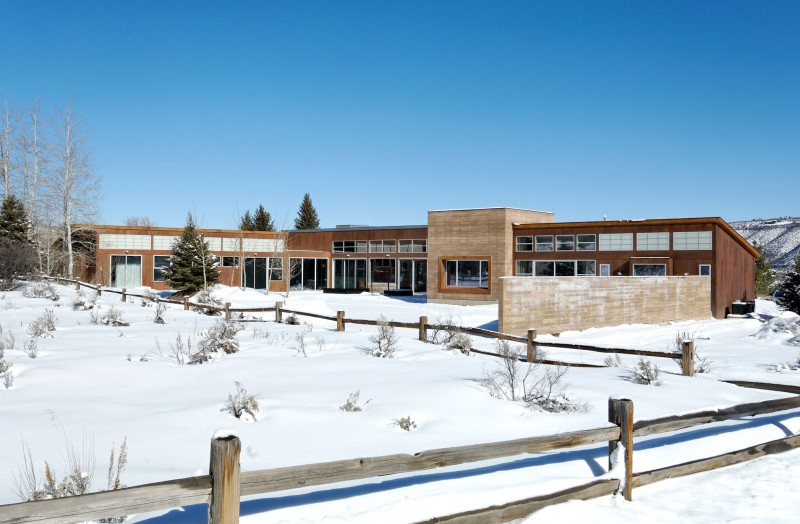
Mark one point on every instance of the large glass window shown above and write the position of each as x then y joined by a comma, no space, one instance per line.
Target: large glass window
585,268
691,240
616,242
652,241
126,271
160,263
587,243
565,243
275,268
382,246
524,243
544,268
230,261
649,270
524,268
413,246
350,273
467,273
382,270
350,246
308,273
544,242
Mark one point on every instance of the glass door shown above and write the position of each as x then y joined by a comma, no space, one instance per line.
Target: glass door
126,271
255,272
350,273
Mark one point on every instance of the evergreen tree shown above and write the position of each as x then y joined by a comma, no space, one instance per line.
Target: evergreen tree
765,276
790,285
14,223
191,264
246,223
262,220
307,216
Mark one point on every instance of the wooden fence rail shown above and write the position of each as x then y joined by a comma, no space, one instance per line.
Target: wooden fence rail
222,488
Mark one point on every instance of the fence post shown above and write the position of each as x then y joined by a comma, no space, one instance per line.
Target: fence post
77,285
99,290
58,280
223,504
687,360
123,295
278,313
227,310
340,321
423,330
620,412
531,346
186,303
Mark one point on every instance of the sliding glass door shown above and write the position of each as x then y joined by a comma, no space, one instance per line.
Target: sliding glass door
413,274
350,273
126,271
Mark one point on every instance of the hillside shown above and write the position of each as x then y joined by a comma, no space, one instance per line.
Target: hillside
779,236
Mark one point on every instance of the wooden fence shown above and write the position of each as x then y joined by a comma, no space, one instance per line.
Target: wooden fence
686,356
225,484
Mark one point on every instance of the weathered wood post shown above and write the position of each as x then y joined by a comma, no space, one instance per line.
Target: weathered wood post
77,285
687,360
278,313
423,330
123,295
340,321
223,504
531,346
227,310
99,290
58,280
186,303
620,412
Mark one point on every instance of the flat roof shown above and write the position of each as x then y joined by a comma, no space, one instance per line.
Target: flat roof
489,208
342,229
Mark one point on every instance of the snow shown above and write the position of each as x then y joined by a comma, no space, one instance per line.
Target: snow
108,383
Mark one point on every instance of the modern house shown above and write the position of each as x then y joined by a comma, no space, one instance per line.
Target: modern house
460,256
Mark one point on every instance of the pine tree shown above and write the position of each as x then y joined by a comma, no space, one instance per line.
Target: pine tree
14,223
790,285
765,276
191,264
307,216
246,223
262,220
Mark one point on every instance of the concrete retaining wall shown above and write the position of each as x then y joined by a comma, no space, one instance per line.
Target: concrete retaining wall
556,304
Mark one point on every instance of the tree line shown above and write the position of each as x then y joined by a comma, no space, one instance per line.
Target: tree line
48,187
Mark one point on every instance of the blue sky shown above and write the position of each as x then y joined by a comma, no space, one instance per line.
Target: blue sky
383,110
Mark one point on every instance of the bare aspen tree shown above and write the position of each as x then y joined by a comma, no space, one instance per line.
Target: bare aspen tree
32,150
75,188
5,146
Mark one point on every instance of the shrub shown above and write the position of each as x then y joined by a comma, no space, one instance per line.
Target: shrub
159,316
385,340
242,402
17,257
82,303
459,341
292,320
8,378
79,467
405,423
300,338
538,391
645,372
43,326
442,330
113,317
613,361
221,337
205,297
31,348
179,354
41,289
351,404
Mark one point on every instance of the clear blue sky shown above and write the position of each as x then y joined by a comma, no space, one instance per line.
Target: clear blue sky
382,110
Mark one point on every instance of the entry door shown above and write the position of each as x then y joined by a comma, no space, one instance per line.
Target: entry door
414,274
350,273
126,271
255,272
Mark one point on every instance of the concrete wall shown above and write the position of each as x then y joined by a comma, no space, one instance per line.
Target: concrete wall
556,304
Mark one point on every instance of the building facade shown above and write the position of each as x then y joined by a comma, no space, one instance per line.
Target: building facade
458,257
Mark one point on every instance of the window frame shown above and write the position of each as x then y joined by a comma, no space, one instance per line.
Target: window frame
700,268
593,242
653,241
563,238
445,287
520,244
662,264
518,272
417,245
169,264
538,243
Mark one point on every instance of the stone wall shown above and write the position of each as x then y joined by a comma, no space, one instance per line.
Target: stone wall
556,304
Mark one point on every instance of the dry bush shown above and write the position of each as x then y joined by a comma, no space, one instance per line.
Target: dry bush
79,467
41,289
242,402
84,303
292,320
459,342
179,352
405,423
205,297
645,372
43,326
352,402
113,317
31,348
701,365
385,340
159,315
300,338
8,378
221,337
613,361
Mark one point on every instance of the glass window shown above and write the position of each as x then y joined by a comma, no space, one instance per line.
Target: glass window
413,246
585,268
616,242
524,243
524,268
565,268
649,270
350,246
565,243
230,261
587,243
382,270
705,270
275,268
160,263
467,273
691,240
652,241
382,246
544,242
544,268
605,270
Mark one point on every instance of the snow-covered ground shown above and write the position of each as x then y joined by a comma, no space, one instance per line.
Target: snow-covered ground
99,384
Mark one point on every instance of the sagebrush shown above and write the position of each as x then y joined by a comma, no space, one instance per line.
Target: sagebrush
384,342
241,402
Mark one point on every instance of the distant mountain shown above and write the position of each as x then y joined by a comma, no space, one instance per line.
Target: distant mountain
779,236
